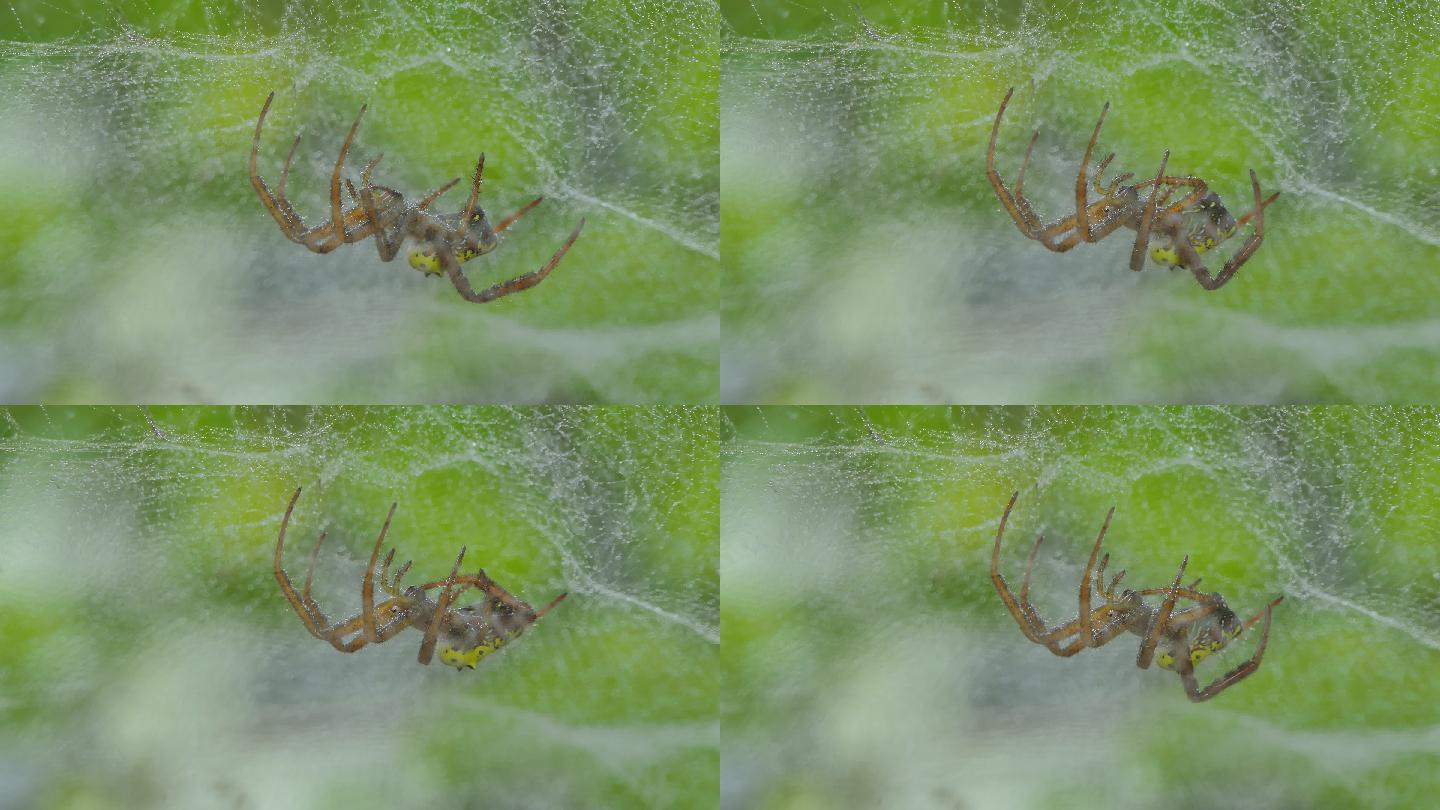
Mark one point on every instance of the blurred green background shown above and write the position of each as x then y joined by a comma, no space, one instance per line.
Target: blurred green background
867,258
869,663
150,661
139,265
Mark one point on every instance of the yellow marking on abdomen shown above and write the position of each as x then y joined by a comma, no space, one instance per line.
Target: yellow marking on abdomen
428,264
469,658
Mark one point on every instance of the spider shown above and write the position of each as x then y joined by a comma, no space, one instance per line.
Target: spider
1184,637
465,634
443,242
1193,225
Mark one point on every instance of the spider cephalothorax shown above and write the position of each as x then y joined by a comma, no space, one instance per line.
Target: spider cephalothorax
1183,636
442,241
1177,233
464,635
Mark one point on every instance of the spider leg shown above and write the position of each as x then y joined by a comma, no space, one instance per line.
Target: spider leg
370,167
310,570
1037,229
994,176
504,288
1181,619
427,647
367,587
1198,189
385,571
510,220
1239,673
1031,615
310,613
392,615
1142,233
1100,574
1109,213
285,176
1021,616
1020,210
1202,275
337,216
1020,176
1020,609
279,209
1240,223
474,195
435,195
389,239
1109,190
1107,633
1116,581
1029,566
553,602
395,583
1082,200
1162,620
1180,593
1086,583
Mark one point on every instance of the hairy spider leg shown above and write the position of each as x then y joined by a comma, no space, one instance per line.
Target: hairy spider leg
1191,259
427,647
1029,619
302,605
1186,669
1121,622
1240,223
1162,618
336,216
493,588
510,220
1142,233
1020,211
319,239
1011,603
1108,591
367,586
474,195
393,615
310,611
283,213
285,177
1100,577
1107,191
1082,200
1109,212
1087,631
553,602
504,288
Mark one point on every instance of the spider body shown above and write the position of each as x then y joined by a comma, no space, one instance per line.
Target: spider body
1176,233
442,243
1204,226
1183,635
464,635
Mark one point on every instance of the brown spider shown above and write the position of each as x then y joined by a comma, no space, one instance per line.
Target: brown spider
1198,222
444,241
1211,623
466,634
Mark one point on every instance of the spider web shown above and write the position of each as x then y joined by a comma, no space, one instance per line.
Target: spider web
872,262
142,268
869,660
150,659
